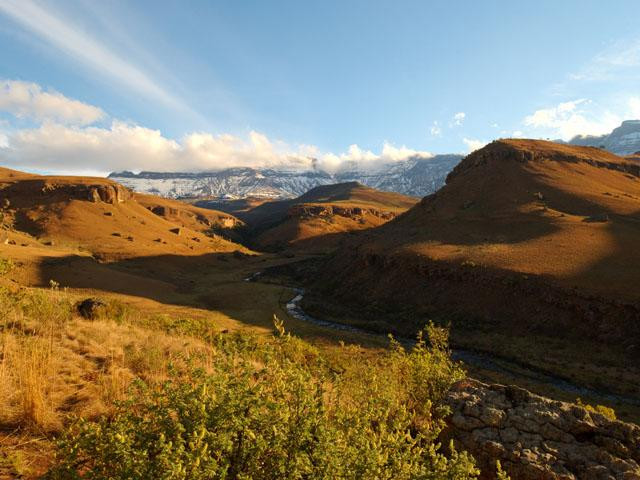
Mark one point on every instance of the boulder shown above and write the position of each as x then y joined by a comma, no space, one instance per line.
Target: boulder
90,308
538,438
598,218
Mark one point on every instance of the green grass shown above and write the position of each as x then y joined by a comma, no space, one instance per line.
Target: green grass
277,409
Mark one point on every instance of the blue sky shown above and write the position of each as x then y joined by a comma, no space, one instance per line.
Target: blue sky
99,86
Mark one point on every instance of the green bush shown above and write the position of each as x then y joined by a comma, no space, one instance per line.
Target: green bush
277,410
608,412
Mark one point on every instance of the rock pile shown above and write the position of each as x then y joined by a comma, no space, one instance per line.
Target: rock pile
536,438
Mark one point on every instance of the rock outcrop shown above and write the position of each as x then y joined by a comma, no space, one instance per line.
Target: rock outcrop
112,194
536,438
24,193
306,211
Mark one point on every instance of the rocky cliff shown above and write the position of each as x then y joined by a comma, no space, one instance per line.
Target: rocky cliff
307,211
26,192
536,438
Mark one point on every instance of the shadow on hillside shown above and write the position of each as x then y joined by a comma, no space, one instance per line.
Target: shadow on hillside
471,224
213,282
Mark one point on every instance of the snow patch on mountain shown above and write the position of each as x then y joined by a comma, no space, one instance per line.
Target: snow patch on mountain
417,176
623,140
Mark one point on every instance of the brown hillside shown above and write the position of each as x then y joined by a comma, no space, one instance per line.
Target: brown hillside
189,216
96,216
571,214
320,218
529,245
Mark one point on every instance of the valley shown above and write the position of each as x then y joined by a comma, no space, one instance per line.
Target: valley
319,240
341,267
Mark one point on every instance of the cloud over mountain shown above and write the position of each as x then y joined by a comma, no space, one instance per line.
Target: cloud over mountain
65,138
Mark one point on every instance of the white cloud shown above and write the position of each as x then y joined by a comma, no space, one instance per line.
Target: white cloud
517,134
473,144
65,141
123,146
72,40
610,63
634,108
568,119
435,130
28,100
458,119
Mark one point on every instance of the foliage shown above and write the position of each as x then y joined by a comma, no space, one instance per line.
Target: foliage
500,473
608,412
6,265
277,410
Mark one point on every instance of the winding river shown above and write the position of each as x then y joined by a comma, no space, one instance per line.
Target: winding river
476,359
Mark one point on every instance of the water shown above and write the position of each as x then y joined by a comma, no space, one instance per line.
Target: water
476,359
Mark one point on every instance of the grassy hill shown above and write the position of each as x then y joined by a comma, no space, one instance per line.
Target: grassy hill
320,219
529,250
99,217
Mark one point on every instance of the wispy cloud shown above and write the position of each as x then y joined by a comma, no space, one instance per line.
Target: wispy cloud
621,58
62,33
435,130
29,100
458,119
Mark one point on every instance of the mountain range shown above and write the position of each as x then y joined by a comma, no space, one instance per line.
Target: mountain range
623,140
417,176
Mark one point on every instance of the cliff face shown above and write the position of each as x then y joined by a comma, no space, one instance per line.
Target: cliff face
536,438
36,191
306,211
111,194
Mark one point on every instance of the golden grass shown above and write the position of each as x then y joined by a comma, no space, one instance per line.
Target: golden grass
53,363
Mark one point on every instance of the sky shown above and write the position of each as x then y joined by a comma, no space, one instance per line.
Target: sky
94,87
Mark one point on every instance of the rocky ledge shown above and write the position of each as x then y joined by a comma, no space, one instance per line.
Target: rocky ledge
307,211
536,438
112,194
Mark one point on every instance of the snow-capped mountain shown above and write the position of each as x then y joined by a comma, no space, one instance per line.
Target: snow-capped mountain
417,176
623,140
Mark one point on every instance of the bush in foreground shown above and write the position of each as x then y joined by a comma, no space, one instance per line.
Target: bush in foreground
278,410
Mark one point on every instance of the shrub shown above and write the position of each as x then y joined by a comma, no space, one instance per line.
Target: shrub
6,265
275,410
608,412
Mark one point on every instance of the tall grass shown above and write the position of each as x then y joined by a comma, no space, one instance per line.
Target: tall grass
135,396
54,364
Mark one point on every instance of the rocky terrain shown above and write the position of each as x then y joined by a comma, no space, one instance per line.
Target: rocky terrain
308,211
417,176
536,438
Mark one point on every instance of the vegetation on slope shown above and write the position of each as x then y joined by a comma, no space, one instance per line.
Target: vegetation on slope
131,396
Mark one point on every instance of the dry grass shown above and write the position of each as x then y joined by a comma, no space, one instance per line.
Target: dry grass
55,365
